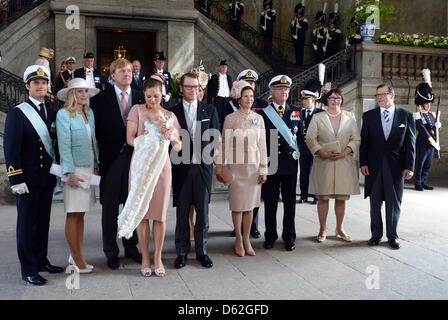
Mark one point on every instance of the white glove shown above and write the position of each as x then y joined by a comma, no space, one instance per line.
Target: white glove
438,125
295,37
167,98
315,47
434,143
20,188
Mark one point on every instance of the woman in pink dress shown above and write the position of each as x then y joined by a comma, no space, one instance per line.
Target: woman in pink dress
153,113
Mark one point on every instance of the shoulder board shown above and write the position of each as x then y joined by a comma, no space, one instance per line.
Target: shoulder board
417,116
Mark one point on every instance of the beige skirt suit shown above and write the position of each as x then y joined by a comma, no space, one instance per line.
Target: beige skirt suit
334,178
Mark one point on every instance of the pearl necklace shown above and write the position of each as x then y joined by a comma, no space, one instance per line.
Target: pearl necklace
333,115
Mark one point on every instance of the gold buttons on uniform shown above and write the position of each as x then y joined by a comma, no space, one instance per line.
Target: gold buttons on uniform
40,148
41,157
41,165
279,152
279,144
40,140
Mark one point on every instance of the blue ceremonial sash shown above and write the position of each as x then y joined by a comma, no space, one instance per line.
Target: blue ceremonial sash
39,125
233,106
282,128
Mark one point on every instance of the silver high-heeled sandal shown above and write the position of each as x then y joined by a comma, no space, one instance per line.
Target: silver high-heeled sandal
72,262
345,238
160,272
146,272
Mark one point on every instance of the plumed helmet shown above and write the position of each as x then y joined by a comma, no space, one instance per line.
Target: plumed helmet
423,94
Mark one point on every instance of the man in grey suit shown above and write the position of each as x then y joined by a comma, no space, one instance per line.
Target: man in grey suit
387,158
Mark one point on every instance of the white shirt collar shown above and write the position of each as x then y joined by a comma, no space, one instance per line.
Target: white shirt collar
187,104
391,110
222,75
118,91
36,102
277,105
159,71
309,110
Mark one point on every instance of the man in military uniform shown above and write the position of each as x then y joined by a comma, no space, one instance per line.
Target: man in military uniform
355,37
310,94
251,77
299,27
426,125
284,120
29,140
64,77
267,20
319,34
333,36
236,10
88,72
218,88
159,65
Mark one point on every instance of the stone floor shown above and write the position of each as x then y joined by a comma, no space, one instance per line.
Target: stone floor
329,270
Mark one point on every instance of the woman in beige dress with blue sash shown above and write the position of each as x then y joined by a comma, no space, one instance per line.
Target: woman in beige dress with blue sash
75,127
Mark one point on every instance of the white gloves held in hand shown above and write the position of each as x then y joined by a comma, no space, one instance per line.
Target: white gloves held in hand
20,188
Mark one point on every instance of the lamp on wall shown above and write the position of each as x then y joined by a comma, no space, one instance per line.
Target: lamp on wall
119,52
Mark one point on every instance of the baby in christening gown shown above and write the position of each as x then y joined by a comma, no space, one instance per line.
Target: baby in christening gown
150,153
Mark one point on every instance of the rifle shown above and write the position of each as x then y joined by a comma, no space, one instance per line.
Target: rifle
436,131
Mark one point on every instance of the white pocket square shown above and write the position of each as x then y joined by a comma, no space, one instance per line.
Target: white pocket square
203,120
402,126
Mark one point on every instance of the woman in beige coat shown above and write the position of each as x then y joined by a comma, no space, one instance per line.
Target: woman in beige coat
333,138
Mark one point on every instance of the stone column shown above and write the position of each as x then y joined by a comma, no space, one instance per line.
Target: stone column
180,46
70,42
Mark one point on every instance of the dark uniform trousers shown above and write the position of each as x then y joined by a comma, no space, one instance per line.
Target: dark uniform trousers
195,193
33,223
220,104
114,190
271,191
383,190
306,163
423,163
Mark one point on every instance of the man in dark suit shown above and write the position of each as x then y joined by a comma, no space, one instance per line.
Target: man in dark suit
137,76
64,77
219,87
159,69
88,72
192,178
387,158
283,119
29,139
310,94
299,28
111,108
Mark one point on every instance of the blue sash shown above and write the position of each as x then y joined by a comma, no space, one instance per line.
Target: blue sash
233,106
39,125
282,128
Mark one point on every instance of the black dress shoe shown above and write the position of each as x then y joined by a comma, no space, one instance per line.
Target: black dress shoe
205,261
36,280
314,201
373,242
232,234
181,261
113,263
256,234
268,245
394,244
289,246
136,256
301,200
426,187
51,269
418,187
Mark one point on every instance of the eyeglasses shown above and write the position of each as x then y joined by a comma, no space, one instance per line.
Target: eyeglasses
190,87
335,98
382,94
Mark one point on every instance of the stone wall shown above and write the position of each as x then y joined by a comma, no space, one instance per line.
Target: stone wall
20,41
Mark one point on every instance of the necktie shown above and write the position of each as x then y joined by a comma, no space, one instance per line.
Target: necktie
42,111
281,110
191,117
124,102
308,114
386,116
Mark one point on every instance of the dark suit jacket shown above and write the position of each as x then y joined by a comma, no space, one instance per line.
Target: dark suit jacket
286,163
303,127
25,151
180,171
398,150
213,87
109,126
138,84
81,73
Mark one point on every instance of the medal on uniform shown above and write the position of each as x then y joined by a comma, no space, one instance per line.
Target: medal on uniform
295,115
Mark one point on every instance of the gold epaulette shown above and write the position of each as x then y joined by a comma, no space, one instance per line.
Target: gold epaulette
12,172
